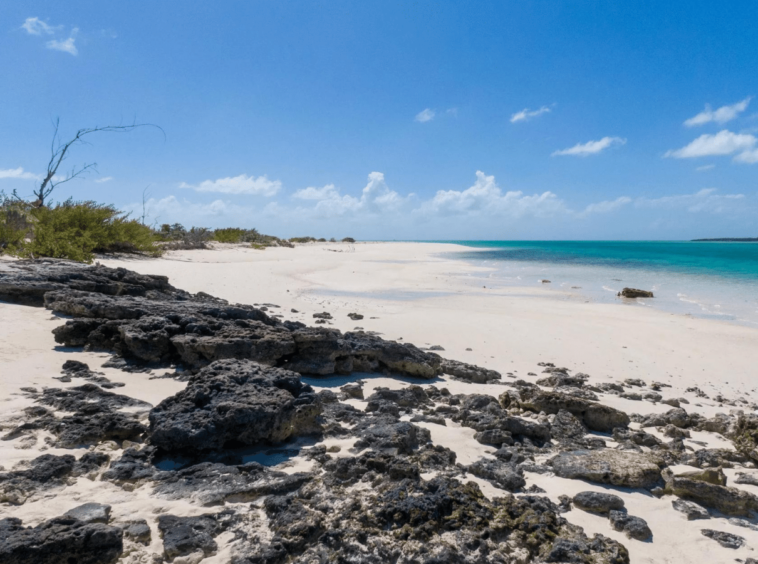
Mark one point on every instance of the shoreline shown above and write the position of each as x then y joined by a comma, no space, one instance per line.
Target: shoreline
509,328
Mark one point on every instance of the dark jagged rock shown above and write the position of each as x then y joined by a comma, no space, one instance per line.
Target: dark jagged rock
598,502
746,478
503,475
561,379
133,466
595,416
213,483
712,458
28,281
469,372
745,435
91,513
618,468
494,437
390,437
727,540
639,438
138,531
352,390
144,318
484,414
63,539
235,402
633,527
95,418
409,398
185,535
79,398
92,427
690,509
635,293
727,500
567,428
44,472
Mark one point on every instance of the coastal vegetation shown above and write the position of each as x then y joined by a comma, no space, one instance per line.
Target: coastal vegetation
78,230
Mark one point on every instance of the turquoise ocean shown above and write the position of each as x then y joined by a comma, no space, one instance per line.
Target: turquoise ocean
717,280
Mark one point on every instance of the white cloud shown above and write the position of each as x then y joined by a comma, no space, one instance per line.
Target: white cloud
590,147
720,116
606,206
311,193
35,26
425,115
748,157
722,143
526,114
376,198
486,197
18,173
705,200
705,167
104,179
241,184
452,111
67,45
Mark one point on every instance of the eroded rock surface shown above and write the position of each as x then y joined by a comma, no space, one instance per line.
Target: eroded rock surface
235,402
618,468
63,539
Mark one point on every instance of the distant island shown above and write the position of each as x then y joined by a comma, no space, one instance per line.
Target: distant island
732,239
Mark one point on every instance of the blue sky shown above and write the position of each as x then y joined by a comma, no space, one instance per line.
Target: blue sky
397,119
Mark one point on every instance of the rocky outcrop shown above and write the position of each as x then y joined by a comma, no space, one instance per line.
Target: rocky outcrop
595,416
145,319
634,527
727,540
690,509
63,539
727,500
185,535
635,293
469,372
618,468
235,402
598,502
94,416
46,472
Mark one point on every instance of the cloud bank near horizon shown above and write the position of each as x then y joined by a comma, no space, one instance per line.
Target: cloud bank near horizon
448,213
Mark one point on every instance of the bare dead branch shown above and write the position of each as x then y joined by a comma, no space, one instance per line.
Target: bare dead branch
59,152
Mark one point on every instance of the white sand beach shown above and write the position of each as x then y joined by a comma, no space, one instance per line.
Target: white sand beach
408,292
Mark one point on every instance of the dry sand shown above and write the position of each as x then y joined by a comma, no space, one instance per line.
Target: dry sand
410,291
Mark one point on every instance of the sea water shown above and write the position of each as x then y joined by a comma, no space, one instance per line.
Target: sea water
716,280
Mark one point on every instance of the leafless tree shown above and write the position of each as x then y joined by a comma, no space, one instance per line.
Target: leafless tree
145,197
59,151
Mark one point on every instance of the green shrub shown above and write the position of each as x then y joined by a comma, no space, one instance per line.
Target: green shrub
348,240
77,230
237,235
15,223
302,239
229,235
176,238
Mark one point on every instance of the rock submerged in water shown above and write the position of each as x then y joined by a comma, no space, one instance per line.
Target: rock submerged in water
635,293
